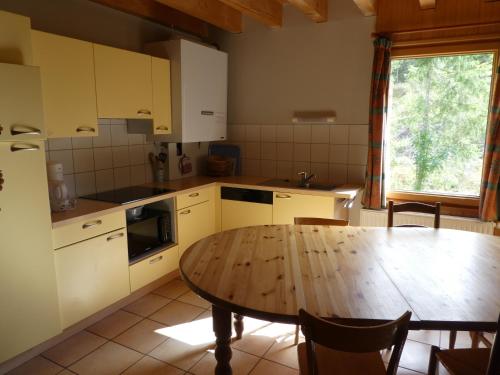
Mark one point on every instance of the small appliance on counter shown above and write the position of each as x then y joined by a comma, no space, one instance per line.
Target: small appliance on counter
58,191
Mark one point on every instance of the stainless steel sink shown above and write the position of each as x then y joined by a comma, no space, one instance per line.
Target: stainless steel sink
295,185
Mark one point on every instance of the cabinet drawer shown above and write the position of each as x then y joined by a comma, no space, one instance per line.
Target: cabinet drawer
82,230
154,267
195,197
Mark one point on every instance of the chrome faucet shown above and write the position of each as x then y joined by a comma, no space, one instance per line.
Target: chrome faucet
305,179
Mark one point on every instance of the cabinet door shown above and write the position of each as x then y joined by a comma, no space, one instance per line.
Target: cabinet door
236,214
148,270
162,107
21,113
287,206
92,275
68,84
29,309
194,223
123,82
15,39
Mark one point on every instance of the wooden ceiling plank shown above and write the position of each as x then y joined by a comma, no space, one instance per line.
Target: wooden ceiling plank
427,4
269,12
160,14
367,7
212,11
317,10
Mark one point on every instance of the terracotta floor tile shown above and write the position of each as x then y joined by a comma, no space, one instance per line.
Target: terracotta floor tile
142,337
109,359
147,305
173,289
180,354
405,371
151,366
415,356
38,366
241,363
74,348
265,367
194,299
176,313
256,339
284,351
463,340
425,337
114,324
66,372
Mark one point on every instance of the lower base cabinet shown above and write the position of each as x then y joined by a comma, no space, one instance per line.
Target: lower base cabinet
194,223
237,214
92,275
287,206
150,269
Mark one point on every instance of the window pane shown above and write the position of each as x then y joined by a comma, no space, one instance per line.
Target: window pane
438,110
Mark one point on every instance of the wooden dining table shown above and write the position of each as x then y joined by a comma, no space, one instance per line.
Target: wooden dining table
448,279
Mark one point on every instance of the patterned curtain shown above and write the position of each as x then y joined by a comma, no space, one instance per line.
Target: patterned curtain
374,195
489,202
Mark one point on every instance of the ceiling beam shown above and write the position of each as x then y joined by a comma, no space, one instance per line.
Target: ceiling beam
269,12
317,10
160,14
211,11
427,4
367,7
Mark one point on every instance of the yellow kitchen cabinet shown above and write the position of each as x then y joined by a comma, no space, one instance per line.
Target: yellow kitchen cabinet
287,206
194,223
29,312
162,107
193,197
150,269
68,84
92,275
21,112
123,83
236,214
15,39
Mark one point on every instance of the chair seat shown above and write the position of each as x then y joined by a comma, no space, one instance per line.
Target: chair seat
335,362
465,361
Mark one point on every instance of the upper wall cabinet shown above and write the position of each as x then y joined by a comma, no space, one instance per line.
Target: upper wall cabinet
68,84
199,90
123,82
15,39
162,123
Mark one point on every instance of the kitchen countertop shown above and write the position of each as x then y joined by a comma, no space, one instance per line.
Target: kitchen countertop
87,209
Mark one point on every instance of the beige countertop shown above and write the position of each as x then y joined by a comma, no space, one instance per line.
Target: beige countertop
87,209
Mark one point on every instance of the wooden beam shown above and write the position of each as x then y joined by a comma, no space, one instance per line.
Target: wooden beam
367,7
427,4
159,13
269,12
317,10
211,11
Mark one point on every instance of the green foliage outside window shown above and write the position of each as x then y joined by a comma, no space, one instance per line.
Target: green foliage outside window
438,110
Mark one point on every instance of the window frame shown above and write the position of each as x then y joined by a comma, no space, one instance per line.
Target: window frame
455,205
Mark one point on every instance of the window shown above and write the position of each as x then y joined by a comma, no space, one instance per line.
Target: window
437,118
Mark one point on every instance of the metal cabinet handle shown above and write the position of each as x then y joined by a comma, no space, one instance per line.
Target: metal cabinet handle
186,212
24,147
157,259
91,224
114,236
23,129
162,128
192,195
283,196
143,112
85,129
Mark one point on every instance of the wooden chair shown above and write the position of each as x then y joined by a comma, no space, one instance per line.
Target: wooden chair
414,207
332,348
479,361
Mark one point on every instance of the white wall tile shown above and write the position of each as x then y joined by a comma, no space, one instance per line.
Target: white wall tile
120,156
339,154
358,154
268,168
136,139
252,150
339,134
136,154
137,175
117,121
236,133
104,180
338,174
320,134
284,169
268,133
69,180
65,157
284,133
148,173
302,152
122,177
302,133
321,171
251,167
103,158
358,135
148,148
268,151
320,153
104,137
119,136
85,183
252,133
60,144
81,142
83,160
356,174
104,121
284,151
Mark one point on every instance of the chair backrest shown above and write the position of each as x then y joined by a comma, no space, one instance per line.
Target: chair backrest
494,363
414,207
319,221
354,339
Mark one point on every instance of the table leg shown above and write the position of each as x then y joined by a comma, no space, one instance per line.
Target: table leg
222,329
238,326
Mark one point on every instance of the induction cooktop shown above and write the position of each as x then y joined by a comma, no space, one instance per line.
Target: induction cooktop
127,195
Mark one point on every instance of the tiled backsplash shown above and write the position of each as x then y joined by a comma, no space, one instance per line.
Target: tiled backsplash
112,160
334,153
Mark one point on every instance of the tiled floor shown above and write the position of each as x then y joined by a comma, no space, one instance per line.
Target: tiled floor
170,332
